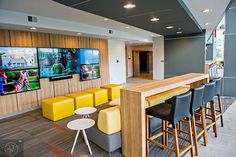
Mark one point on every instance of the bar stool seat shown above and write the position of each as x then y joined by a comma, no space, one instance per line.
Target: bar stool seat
161,111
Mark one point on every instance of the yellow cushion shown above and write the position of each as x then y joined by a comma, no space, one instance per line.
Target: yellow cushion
82,99
162,97
58,108
113,90
109,121
100,96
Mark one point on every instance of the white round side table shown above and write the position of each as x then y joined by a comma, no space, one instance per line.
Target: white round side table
85,111
81,124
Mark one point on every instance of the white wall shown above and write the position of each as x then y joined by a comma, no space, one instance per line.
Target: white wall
158,58
116,52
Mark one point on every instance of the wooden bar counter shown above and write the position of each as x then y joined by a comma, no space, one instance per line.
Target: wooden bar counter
133,109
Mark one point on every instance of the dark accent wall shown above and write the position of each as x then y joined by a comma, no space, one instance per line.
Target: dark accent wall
229,88
209,52
184,55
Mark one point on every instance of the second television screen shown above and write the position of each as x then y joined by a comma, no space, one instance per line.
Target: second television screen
54,62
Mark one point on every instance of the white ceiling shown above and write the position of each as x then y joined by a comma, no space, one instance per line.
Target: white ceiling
50,9
213,18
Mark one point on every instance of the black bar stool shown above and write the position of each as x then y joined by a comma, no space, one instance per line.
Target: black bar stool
197,107
172,113
209,93
218,84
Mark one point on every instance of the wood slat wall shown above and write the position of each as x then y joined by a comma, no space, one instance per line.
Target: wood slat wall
22,101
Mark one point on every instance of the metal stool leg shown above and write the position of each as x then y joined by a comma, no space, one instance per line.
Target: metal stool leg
76,137
86,141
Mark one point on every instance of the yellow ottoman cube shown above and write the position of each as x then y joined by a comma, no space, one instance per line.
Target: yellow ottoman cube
58,108
109,121
100,96
82,99
113,90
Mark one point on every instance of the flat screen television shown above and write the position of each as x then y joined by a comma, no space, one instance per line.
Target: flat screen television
15,58
88,56
89,64
19,81
89,71
58,62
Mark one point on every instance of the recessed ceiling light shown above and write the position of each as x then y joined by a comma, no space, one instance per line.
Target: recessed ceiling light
129,6
154,19
207,11
78,33
33,28
105,19
207,23
179,28
179,32
169,27
127,27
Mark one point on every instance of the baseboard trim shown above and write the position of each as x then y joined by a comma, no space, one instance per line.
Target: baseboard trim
9,115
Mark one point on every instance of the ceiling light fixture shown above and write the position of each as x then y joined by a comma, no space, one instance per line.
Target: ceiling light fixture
129,5
154,19
169,27
207,23
207,11
127,27
78,33
179,32
33,28
105,19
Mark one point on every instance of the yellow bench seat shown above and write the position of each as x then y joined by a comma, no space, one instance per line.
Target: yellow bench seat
113,90
82,99
162,97
100,96
58,108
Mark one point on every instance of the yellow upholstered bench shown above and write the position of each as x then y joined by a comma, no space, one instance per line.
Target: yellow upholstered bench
161,97
109,121
113,90
82,99
100,96
58,108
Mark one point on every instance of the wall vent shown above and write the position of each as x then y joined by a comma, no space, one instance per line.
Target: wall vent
32,19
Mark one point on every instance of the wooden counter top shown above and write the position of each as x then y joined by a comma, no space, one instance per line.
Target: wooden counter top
133,109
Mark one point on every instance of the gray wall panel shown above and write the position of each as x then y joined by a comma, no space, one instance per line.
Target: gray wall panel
184,55
209,52
230,21
230,56
229,85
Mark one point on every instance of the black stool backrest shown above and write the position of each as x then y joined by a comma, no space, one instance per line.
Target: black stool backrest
217,86
197,98
209,92
181,107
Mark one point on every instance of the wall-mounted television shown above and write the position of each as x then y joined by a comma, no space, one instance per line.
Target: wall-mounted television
58,62
19,81
18,70
15,58
89,64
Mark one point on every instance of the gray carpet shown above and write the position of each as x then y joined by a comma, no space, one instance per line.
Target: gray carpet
44,138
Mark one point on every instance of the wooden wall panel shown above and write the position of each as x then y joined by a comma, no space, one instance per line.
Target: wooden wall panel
8,104
27,100
40,40
57,40
72,42
20,38
61,87
21,101
75,84
5,37
104,69
46,90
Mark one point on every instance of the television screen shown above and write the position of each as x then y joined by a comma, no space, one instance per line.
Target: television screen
18,81
89,56
15,58
56,62
89,71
